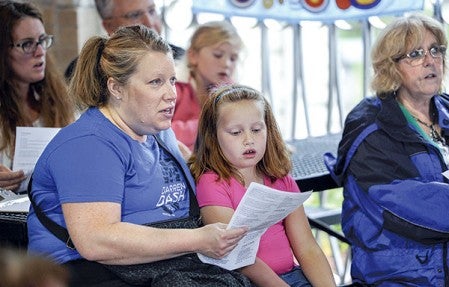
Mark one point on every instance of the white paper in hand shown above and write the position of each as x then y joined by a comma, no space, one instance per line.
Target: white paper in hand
30,143
260,207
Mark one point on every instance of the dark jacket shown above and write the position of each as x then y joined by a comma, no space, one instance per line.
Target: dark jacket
396,200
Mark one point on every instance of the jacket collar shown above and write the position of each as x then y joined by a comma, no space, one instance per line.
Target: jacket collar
386,115
391,119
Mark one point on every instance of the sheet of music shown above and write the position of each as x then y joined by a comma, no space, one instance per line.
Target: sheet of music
260,207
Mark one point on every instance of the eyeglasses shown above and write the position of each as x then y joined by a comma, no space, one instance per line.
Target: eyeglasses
136,15
416,57
29,46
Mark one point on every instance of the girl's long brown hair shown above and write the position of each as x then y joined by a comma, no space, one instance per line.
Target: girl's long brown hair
207,154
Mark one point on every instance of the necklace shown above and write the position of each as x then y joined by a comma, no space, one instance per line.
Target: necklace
434,134
438,140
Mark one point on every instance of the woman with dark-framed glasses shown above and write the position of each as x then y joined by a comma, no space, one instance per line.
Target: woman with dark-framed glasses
32,93
392,160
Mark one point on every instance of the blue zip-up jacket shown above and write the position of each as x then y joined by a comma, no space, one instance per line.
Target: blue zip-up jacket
396,201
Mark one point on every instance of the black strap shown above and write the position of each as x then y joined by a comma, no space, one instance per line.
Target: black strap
62,234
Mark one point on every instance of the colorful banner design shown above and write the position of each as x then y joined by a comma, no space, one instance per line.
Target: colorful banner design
311,10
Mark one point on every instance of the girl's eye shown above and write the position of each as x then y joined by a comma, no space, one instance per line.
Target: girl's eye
256,130
235,133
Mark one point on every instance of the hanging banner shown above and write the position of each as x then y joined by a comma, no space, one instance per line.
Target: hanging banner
311,10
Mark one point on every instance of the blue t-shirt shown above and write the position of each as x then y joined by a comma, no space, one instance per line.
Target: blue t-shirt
92,160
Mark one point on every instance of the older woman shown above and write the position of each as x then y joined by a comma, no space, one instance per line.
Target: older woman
32,92
117,169
391,158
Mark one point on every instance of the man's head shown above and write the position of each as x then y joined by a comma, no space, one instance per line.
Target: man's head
117,13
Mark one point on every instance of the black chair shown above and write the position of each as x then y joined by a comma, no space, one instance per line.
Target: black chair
310,173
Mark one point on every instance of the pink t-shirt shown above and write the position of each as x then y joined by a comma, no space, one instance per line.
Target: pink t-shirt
187,113
274,248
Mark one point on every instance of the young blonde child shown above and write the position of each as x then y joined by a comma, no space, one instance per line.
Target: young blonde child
239,142
211,59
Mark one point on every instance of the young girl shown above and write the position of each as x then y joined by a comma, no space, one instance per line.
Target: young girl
211,59
239,142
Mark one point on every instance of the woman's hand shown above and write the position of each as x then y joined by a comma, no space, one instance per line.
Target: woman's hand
10,179
219,241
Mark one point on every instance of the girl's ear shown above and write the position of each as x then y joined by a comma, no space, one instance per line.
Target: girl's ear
115,88
192,57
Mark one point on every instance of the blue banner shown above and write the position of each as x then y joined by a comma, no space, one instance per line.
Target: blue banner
294,11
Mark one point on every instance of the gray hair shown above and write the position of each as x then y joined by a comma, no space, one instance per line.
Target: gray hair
104,8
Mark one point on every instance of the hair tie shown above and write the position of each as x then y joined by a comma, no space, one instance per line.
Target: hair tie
99,53
99,72
100,50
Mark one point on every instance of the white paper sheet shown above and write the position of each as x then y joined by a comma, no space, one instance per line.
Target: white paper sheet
260,207
30,143
11,202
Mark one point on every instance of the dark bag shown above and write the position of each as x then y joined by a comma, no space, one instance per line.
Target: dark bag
183,271
186,270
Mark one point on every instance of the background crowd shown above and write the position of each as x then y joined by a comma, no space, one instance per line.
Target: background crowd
169,159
